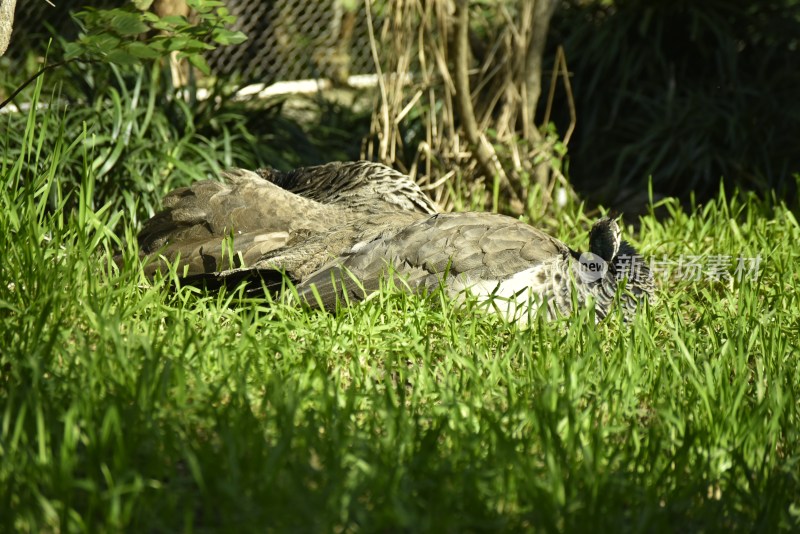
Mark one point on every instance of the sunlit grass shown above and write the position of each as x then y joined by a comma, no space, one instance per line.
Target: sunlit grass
129,405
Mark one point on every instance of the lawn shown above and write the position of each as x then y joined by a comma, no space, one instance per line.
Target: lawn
128,405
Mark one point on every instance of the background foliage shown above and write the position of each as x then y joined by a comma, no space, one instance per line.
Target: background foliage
686,92
147,136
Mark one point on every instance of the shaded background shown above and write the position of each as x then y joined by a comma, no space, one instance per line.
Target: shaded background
688,92
685,92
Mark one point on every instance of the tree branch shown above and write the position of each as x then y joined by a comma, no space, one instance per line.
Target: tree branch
19,89
542,13
483,151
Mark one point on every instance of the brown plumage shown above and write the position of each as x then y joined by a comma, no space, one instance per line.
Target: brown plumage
475,251
213,226
502,261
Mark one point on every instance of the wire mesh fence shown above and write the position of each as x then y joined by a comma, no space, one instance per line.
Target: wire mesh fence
296,39
287,39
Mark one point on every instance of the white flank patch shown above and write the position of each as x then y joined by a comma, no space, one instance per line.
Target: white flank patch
516,299
272,236
359,246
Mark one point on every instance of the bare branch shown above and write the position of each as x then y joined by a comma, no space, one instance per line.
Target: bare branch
542,13
483,150
384,137
561,68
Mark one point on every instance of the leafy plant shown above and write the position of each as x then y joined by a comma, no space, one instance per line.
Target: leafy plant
125,37
143,137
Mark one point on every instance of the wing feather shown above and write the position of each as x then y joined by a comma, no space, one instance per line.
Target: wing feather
422,252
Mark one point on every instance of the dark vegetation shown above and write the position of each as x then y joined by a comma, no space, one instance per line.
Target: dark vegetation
686,92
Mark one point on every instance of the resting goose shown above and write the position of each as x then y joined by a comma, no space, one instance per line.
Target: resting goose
504,262
338,230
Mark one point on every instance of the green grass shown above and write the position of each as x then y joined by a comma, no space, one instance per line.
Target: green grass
125,405
141,140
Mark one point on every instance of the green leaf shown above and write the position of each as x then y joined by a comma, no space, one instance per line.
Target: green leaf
182,43
159,45
199,62
159,24
141,50
104,43
174,20
127,23
149,16
204,6
73,50
195,44
121,57
227,37
176,43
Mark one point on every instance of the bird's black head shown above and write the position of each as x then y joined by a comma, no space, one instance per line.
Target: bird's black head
604,238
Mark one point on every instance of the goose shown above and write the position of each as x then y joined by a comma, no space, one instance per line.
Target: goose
338,231
512,267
